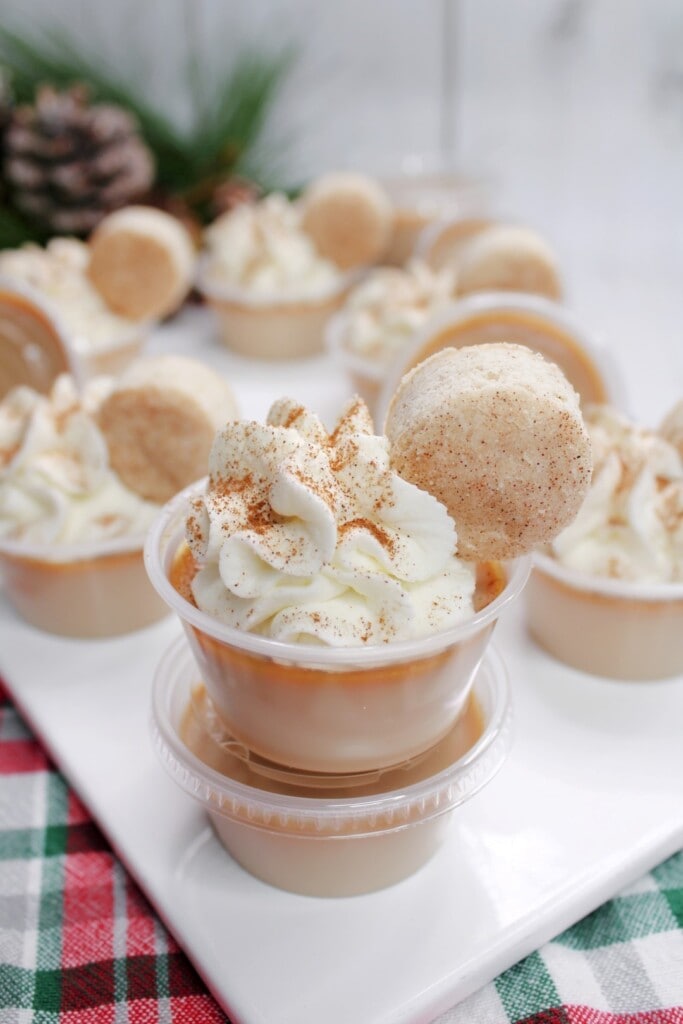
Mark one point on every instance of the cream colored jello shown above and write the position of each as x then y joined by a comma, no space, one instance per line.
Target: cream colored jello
380,318
318,834
333,624
607,596
100,341
271,291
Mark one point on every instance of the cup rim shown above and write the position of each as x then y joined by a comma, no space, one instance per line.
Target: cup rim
462,309
71,339
168,529
226,291
74,551
626,590
334,345
429,797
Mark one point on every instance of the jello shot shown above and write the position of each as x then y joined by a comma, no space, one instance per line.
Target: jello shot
83,473
333,624
606,596
380,318
327,835
530,320
98,340
425,199
34,349
270,289
71,533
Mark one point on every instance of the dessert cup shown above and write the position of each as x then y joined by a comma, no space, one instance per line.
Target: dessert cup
281,327
110,357
607,627
530,320
440,244
365,375
34,349
423,198
36,345
333,836
327,709
95,589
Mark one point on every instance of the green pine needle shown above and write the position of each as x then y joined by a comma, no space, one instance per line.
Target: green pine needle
225,137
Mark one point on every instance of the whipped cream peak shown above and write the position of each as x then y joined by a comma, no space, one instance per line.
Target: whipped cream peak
305,534
59,273
385,310
56,484
262,248
630,525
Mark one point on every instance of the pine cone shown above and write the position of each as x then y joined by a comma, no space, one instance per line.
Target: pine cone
68,163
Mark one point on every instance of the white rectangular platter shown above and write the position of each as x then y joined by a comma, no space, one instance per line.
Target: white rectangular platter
589,799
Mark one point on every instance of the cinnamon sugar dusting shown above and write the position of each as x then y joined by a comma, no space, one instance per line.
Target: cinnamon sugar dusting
311,535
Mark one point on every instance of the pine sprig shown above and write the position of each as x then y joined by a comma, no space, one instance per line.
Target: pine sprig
225,136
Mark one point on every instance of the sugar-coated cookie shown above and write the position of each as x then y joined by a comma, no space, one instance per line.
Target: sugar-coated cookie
494,432
160,420
349,217
505,257
142,262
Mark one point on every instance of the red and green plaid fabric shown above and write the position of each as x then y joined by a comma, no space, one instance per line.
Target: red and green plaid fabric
79,944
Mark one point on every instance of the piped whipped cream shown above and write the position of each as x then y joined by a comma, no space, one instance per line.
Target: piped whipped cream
262,249
58,273
56,485
306,536
384,311
630,525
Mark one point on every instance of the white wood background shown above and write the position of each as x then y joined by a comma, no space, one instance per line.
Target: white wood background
574,108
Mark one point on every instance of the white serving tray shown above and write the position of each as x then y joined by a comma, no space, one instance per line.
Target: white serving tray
590,798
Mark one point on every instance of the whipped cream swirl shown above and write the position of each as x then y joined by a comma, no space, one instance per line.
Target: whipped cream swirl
59,273
308,537
630,525
56,485
383,313
262,248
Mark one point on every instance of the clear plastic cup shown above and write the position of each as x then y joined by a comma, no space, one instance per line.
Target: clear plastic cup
109,357
441,243
97,589
606,627
530,320
281,327
34,349
423,196
321,708
334,836
36,345
366,375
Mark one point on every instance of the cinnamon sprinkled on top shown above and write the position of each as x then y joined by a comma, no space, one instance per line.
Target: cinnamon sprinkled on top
312,535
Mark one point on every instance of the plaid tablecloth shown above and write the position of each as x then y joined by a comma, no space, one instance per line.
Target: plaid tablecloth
79,944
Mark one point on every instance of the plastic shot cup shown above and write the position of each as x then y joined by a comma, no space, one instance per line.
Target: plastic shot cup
613,628
540,324
34,349
425,196
272,327
89,590
328,709
333,836
365,375
36,345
